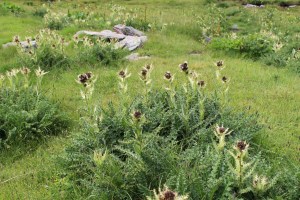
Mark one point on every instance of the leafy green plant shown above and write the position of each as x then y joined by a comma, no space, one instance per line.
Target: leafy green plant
214,23
252,45
25,113
11,8
40,12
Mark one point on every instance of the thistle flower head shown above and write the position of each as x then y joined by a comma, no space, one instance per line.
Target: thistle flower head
201,83
225,79
184,67
123,74
12,73
220,130
16,39
149,67
168,76
28,39
143,73
84,78
220,64
25,70
137,115
242,146
39,72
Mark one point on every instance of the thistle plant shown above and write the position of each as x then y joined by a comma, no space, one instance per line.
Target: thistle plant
17,83
221,132
224,80
123,75
137,121
242,170
25,71
26,111
87,80
145,76
184,67
16,39
169,79
197,86
39,74
12,78
261,184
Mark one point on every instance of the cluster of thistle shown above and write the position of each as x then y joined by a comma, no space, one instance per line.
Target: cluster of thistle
241,169
275,39
212,23
220,66
87,80
56,21
167,194
45,38
13,81
193,77
29,44
83,19
90,43
48,37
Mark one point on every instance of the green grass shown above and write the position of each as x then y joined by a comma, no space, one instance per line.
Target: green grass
272,92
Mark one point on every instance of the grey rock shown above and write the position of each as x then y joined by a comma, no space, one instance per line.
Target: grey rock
131,42
253,6
127,30
23,44
124,41
105,34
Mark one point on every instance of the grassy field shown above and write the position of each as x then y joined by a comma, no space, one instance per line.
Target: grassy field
272,92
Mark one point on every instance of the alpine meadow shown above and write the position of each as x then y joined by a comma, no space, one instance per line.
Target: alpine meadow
150,99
